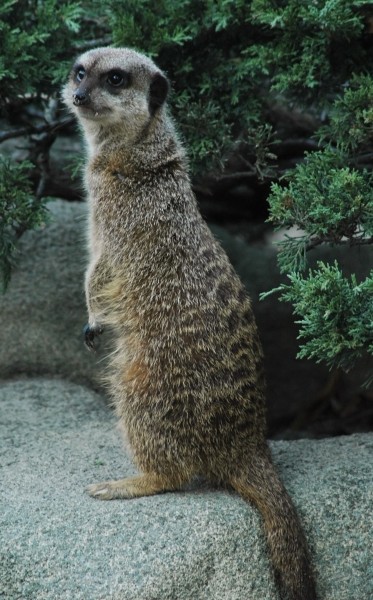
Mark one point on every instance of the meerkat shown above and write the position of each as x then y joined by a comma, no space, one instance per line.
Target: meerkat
186,376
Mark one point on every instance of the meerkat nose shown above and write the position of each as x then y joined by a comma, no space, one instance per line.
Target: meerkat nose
80,98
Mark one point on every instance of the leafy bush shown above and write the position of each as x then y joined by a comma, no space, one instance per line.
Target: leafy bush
336,315
19,210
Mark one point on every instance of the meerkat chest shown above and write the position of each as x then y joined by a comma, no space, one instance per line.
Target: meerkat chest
108,198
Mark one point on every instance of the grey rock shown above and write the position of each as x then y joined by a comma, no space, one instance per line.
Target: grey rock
43,311
199,544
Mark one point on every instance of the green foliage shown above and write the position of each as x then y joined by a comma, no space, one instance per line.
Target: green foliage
19,210
336,313
320,56
327,201
314,46
351,117
35,43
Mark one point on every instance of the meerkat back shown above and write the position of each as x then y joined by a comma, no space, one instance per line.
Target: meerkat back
187,377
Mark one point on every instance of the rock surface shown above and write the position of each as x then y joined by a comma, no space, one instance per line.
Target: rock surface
200,544
43,310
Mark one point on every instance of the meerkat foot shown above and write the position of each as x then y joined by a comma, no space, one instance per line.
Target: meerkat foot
90,336
131,487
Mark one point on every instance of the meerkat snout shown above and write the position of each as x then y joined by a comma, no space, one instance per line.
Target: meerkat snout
80,98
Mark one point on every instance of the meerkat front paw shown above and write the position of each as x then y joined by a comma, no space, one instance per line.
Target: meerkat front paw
90,336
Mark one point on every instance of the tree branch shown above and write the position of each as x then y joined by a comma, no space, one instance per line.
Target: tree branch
355,241
36,129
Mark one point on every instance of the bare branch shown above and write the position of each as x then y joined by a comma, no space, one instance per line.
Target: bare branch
87,45
36,129
353,241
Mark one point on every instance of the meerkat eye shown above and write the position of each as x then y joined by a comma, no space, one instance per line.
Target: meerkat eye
80,73
115,79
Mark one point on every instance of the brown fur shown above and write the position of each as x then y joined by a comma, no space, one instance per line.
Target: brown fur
186,377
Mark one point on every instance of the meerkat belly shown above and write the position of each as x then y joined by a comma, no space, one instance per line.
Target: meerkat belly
194,377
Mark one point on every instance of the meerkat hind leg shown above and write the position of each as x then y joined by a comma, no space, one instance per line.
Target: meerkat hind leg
146,484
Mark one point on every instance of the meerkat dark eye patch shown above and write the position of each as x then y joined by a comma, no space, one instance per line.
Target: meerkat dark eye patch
118,79
158,91
79,73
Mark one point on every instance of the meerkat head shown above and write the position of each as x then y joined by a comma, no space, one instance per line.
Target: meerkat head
115,87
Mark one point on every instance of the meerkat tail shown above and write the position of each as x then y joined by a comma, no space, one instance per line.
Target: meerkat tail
286,541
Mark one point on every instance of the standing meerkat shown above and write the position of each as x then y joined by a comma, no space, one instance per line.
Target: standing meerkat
186,376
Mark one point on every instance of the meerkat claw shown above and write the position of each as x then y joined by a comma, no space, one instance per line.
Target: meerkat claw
90,336
97,490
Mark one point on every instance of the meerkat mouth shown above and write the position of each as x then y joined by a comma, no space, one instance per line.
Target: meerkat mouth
90,112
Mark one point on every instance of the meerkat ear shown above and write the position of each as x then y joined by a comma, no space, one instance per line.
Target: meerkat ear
158,92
